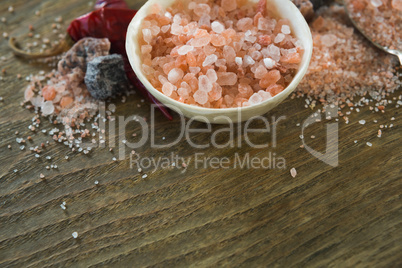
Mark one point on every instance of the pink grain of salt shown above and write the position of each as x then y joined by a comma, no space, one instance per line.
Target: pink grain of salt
218,54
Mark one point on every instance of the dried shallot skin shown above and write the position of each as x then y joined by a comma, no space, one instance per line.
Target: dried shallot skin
83,52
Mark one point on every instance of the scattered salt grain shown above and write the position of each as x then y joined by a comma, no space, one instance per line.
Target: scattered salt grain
362,122
75,235
144,176
369,144
293,172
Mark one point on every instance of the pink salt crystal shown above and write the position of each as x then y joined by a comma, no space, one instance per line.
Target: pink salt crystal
162,79
165,28
216,92
257,46
167,67
245,89
146,24
279,38
265,95
202,38
202,9
244,24
28,93
209,50
220,63
175,75
177,18
212,76
397,4
293,172
260,72
250,38
201,97
168,89
270,78
211,59
274,52
256,55
226,78
204,83
147,34
329,40
194,70
155,30
218,40
228,100
184,92
217,27
239,61
185,49
47,108
147,69
269,63
266,24
255,99
229,53
176,29
37,101
264,40
192,5
247,61
285,29
146,49
376,3
291,58
229,5
205,20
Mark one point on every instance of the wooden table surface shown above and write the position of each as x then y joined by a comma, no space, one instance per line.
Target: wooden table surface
344,216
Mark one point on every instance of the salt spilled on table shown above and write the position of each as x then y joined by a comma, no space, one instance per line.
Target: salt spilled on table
204,52
293,172
354,69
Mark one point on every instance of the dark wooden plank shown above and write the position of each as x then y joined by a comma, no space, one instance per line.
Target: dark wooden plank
348,215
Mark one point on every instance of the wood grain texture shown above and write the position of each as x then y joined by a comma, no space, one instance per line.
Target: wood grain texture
347,216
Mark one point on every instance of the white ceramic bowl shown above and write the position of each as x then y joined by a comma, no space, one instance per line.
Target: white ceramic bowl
285,9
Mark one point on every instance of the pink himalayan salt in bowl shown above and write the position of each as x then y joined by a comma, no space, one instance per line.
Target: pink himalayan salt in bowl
283,8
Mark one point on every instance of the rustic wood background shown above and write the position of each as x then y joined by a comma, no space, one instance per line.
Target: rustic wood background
348,216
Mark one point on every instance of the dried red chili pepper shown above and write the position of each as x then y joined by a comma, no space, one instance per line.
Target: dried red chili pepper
104,22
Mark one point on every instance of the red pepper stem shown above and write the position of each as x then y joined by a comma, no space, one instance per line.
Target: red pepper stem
63,46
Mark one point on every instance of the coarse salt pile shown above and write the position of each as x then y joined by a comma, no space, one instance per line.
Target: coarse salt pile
62,93
381,20
345,65
218,54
